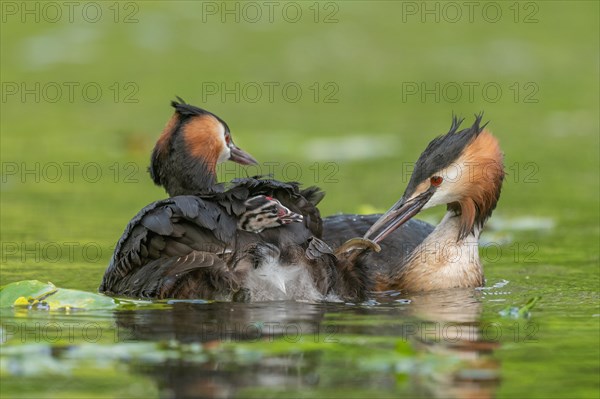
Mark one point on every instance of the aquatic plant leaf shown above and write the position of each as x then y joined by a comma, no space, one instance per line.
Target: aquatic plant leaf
516,312
26,289
68,298
46,296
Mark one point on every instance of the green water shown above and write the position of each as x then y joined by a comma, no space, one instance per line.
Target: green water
378,81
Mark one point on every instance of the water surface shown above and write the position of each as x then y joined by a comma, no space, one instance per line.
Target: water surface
455,343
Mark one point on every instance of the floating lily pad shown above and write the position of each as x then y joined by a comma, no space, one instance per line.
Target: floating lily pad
33,294
22,290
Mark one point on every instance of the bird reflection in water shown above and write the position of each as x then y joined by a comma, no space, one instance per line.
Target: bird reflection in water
452,351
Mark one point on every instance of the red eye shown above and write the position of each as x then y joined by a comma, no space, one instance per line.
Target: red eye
227,138
436,180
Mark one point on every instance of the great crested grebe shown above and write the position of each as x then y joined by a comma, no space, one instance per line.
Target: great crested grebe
190,245
462,170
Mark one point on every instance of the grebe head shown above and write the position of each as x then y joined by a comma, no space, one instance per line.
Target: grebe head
192,143
461,169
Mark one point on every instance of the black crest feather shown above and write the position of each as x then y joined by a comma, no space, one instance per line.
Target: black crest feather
188,110
444,150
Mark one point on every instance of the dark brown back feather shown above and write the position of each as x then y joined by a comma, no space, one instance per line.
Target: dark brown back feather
188,246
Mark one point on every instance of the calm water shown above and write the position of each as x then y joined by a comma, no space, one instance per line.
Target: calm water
459,343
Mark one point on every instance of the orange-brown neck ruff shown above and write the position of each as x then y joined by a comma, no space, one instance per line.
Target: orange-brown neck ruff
481,182
203,137
186,153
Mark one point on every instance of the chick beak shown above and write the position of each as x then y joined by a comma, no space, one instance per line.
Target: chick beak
397,215
240,156
286,216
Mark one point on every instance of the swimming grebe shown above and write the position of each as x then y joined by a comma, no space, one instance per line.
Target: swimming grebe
462,170
190,245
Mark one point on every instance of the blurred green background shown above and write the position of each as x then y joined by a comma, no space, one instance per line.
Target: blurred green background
358,90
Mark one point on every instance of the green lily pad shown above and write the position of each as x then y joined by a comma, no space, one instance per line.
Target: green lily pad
28,288
67,298
35,294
